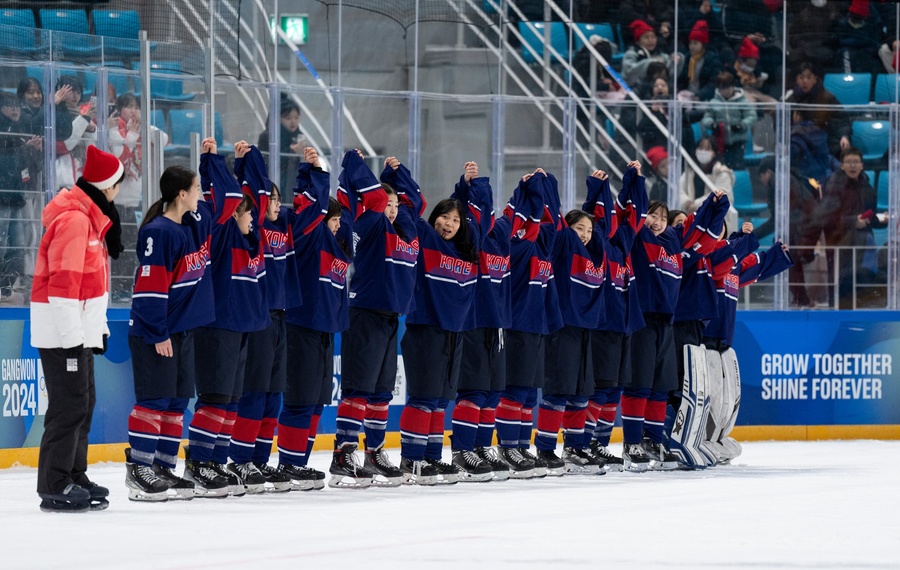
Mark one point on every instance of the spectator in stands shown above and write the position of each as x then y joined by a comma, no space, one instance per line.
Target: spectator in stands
889,53
809,149
848,215
658,14
692,11
582,62
808,90
657,183
763,21
125,144
293,141
751,79
858,34
692,189
698,75
72,130
12,201
810,34
657,99
642,53
729,117
805,227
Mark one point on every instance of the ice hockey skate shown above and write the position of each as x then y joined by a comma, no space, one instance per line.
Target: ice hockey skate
98,496
207,480
448,474
499,469
660,458
346,472
610,462
540,465
555,466
581,462
418,472
302,478
386,474
471,467
249,476
143,484
73,499
520,467
236,486
275,482
179,489
635,458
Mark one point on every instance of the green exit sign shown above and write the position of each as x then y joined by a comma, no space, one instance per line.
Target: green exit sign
294,26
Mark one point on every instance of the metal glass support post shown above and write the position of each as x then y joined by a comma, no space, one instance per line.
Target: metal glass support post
209,126
673,176
415,133
570,110
893,263
337,126
102,105
782,204
498,136
147,175
50,186
274,126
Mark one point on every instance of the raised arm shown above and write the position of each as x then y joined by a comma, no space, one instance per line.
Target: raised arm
311,193
476,193
408,191
251,172
701,229
220,188
358,189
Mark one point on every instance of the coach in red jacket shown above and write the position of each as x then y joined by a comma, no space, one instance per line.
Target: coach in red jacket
68,325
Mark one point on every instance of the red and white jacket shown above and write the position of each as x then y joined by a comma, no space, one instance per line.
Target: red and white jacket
70,290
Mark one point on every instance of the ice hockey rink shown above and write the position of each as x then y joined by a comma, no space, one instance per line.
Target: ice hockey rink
780,505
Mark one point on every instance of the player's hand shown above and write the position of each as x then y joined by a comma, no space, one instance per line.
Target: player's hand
164,348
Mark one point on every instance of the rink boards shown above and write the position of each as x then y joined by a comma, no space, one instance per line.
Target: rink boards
805,375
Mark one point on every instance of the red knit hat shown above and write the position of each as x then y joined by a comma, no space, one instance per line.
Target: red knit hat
859,8
101,169
639,28
700,32
656,155
748,49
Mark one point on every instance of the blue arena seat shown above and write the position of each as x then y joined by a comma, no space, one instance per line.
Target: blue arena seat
849,88
533,35
163,88
17,31
187,121
886,87
119,24
76,41
871,137
883,190
743,195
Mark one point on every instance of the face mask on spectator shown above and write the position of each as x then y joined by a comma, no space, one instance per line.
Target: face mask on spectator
704,156
819,3
747,68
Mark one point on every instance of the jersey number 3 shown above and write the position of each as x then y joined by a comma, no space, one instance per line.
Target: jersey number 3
149,250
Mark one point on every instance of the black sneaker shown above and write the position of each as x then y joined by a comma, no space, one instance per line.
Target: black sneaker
471,467
73,499
276,482
179,489
302,478
143,484
499,469
660,458
540,466
418,472
386,473
346,470
582,462
448,473
207,480
610,462
555,466
249,475
634,457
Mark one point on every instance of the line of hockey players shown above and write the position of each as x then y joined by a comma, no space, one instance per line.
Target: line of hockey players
237,298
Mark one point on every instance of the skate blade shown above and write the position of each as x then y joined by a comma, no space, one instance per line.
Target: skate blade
447,479
68,508
255,489
236,490
556,471
636,467
205,493
574,469
616,467
476,477
319,484
539,472
527,474
99,504
303,485
280,487
500,475
141,496
382,481
345,482
181,494
426,481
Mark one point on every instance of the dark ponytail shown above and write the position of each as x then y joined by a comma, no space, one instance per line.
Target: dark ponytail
173,180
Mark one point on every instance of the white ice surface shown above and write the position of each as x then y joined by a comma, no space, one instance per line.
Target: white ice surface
781,505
